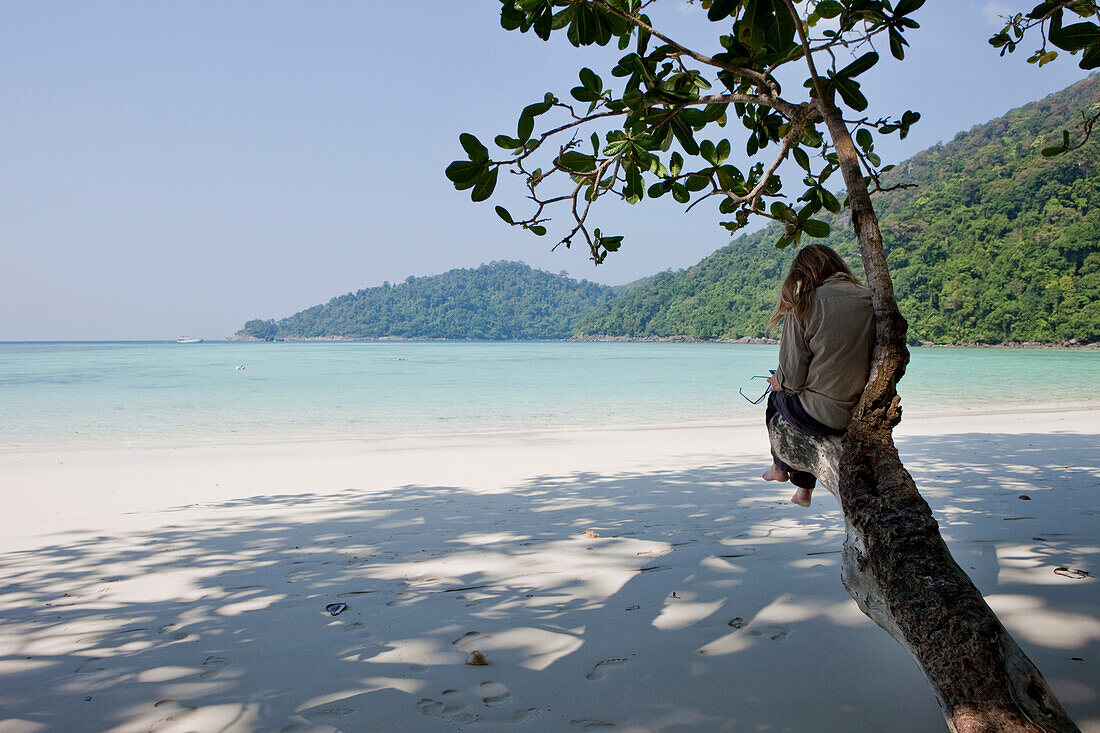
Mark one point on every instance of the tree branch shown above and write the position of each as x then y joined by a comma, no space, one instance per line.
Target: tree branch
755,76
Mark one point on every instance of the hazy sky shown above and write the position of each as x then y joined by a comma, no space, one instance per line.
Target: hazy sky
175,168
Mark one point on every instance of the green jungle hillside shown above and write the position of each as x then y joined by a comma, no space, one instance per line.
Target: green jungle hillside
995,244
501,300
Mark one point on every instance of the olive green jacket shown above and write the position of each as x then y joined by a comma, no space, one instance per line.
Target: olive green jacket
826,360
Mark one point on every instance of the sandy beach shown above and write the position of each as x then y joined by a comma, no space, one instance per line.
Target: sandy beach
642,580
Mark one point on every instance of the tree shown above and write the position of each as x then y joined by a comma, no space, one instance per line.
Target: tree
896,565
260,329
1081,37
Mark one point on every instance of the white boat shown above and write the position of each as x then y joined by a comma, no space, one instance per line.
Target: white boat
188,340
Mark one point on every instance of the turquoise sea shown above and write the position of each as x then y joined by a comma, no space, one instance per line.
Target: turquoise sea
168,393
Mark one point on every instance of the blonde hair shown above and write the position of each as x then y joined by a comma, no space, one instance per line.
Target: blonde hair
813,265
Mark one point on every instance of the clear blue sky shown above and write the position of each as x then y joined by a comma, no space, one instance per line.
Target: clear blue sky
172,168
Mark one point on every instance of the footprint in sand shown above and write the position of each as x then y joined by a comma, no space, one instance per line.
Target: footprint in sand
176,711
600,670
522,716
468,641
358,628
173,632
451,708
773,632
589,724
331,713
353,593
90,665
494,694
454,709
402,599
212,665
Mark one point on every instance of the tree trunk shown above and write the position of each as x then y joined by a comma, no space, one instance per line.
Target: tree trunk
896,565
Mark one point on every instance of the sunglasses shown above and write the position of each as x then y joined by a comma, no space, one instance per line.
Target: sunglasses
767,390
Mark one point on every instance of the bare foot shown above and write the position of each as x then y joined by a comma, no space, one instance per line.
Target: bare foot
802,497
775,473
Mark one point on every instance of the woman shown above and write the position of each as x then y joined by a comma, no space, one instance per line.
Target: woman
824,353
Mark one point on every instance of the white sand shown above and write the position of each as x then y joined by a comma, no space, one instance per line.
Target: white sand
185,588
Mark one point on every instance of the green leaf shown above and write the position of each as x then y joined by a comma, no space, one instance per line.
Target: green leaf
511,17
1057,149
683,135
722,150
865,139
1042,9
696,183
829,9
1091,58
538,229
706,149
1074,37
526,126
464,171
802,158
680,193
815,228
484,187
503,214
563,18
781,211
473,147
635,186
905,7
543,21
612,149
577,162
584,94
675,164
720,9
507,143
860,65
898,44
849,92
539,108
611,244
590,80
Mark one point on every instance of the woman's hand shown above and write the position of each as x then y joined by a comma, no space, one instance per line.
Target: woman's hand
774,383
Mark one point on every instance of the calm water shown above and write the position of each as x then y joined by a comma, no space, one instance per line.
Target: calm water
127,393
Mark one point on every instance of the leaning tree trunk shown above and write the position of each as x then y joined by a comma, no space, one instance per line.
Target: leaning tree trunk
896,565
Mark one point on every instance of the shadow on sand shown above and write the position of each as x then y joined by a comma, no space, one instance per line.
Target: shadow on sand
704,603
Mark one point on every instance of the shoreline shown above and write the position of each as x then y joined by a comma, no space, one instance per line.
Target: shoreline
596,338
911,418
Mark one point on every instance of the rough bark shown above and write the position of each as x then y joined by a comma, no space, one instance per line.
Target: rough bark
899,571
896,565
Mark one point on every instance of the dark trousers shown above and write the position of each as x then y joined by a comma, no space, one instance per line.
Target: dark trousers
789,406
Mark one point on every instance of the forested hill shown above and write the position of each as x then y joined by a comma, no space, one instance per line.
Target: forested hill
501,300
995,244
